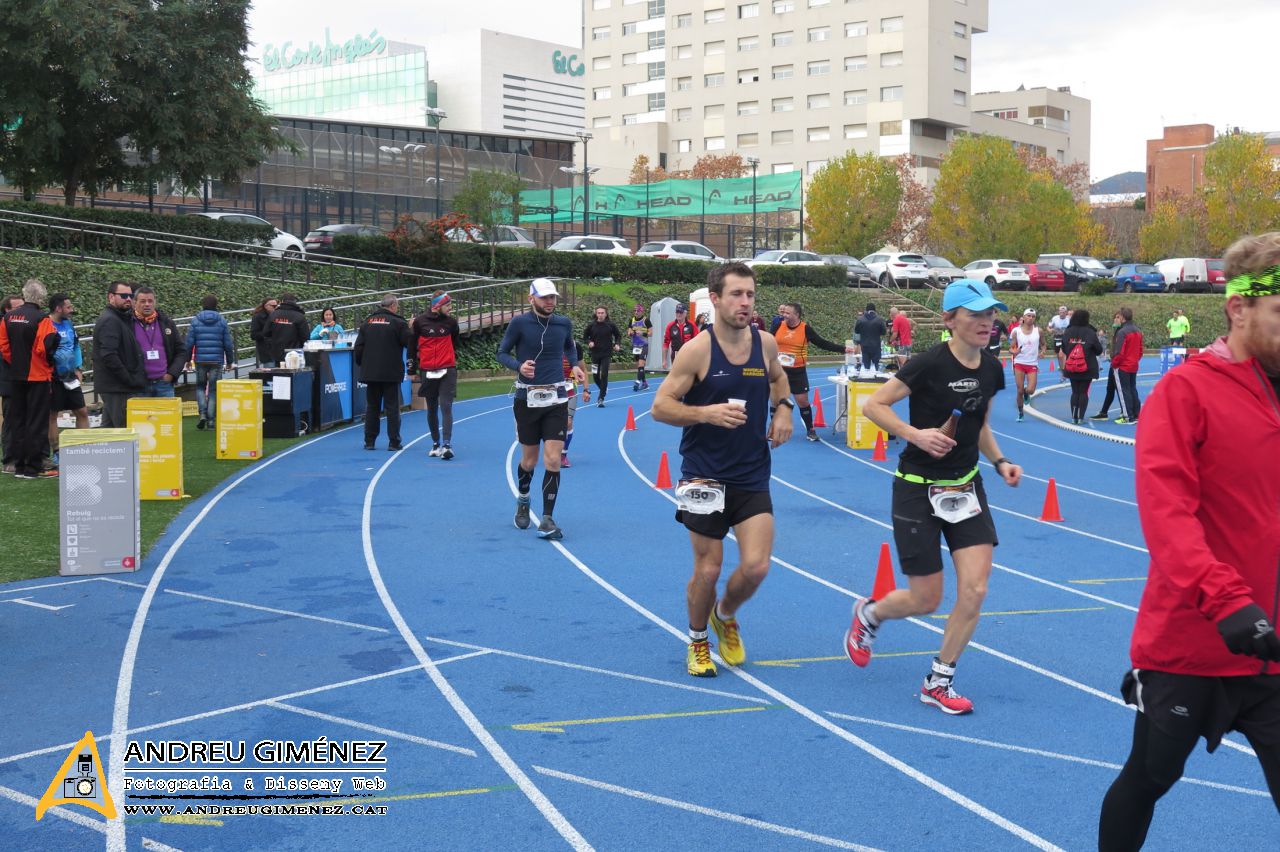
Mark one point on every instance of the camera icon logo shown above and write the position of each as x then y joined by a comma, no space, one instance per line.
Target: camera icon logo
79,781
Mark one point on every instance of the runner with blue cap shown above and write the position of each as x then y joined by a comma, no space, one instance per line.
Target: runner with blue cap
937,490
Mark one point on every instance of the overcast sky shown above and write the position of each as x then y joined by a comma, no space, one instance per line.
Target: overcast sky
1143,64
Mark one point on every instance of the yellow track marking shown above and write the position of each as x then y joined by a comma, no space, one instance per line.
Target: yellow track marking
1101,580
558,727
795,663
1030,611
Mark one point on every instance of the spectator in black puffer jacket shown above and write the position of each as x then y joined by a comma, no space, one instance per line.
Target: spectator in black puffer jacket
212,350
380,354
286,328
258,330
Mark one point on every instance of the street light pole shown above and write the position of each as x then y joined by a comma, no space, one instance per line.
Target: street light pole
586,183
439,115
755,163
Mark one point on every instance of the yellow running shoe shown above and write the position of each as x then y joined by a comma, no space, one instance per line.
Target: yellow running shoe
731,648
700,663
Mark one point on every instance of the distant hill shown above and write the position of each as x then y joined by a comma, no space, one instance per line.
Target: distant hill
1123,182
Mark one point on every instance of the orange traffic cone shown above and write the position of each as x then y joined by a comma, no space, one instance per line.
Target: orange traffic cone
1051,511
664,474
884,574
631,419
1053,365
819,422
879,453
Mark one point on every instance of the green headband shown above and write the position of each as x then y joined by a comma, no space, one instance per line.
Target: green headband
1264,283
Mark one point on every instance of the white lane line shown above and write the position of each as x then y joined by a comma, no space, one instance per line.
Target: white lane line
879,754
1054,755
1056,526
461,657
4,591
364,726
704,811
1026,475
539,800
124,683
157,846
1061,452
607,672
269,609
69,814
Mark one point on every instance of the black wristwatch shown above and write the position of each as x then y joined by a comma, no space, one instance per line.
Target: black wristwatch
784,401
1002,460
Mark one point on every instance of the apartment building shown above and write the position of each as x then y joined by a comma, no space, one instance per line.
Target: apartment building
1053,121
793,83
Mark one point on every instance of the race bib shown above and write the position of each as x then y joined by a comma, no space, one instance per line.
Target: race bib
786,360
700,496
153,354
955,503
435,374
636,350
543,396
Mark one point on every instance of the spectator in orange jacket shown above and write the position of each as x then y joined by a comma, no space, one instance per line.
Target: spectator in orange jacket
28,342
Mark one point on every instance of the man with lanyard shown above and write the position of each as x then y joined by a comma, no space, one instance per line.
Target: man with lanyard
679,332
1057,325
164,351
535,346
1205,656
722,390
1026,344
937,490
639,329
67,361
792,336
436,338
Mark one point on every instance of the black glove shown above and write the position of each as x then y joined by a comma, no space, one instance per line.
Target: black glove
1248,631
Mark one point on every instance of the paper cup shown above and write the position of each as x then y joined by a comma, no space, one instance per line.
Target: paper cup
741,403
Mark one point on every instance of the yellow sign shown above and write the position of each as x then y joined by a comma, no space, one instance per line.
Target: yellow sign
158,422
190,408
239,419
80,781
862,432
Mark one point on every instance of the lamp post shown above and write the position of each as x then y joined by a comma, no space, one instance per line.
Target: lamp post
586,182
439,115
397,153
755,163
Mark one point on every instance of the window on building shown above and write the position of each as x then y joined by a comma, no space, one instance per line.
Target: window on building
713,16
749,10
819,134
630,118
890,93
815,3
713,48
748,75
855,63
657,101
600,121
712,81
599,33
959,97
629,89
683,114
657,39
891,60
822,101
819,34
959,63
713,143
629,59
782,137
891,128
629,28
781,6
853,97
601,94
960,30
684,146
855,29
748,107
682,51
891,25
657,8
681,22
748,43
855,131
602,63
1005,113
814,165
748,140
784,72
929,129
783,39
599,4
657,71
713,111
684,84
819,67
783,168
784,104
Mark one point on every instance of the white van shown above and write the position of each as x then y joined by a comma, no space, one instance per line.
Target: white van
1185,274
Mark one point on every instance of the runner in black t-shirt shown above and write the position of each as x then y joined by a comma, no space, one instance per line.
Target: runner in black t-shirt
938,490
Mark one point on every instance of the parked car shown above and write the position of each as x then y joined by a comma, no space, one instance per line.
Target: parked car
1044,277
789,258
999,274
507,235
896,268
679,250
941,271
592,243
1217,274
1138,278
282,244
854,268
1076,268
320,241
1185,274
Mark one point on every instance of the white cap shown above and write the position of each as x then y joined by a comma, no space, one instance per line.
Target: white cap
1029,312
543,287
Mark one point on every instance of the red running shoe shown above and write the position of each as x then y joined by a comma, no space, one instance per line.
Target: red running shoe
945,699
858,638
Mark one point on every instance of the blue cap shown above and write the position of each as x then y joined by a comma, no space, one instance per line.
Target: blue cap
967,293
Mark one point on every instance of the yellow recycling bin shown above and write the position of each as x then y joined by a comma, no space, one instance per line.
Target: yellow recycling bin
239,421
158,422
861,431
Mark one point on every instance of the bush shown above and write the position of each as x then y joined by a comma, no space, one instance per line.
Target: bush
1098,286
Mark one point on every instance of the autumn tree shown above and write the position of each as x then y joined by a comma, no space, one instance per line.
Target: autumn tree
910,227
641,172
489,199
979,198
852,202
1176,227
1242,189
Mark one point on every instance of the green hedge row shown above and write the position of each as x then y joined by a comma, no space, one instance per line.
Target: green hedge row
532,263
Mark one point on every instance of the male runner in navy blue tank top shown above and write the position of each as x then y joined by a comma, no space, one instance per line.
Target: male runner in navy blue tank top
723,391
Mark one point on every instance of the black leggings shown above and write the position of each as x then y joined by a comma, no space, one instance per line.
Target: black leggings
602,376
1154,765
439,394
1079,395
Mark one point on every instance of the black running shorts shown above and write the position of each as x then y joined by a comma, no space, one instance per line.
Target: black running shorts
535,425
65,399
1190,705
738,506
797,379
918,533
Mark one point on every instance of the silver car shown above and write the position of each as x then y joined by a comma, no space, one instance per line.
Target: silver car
679,250
942,271
282,244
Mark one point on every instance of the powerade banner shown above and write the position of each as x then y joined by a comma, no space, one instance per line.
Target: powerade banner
668,198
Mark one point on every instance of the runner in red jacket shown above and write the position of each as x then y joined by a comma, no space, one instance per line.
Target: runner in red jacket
1205,652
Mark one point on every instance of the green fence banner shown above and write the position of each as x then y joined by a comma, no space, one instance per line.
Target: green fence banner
667,199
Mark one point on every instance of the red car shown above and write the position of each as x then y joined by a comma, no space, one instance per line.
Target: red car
1217,275
1045,277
